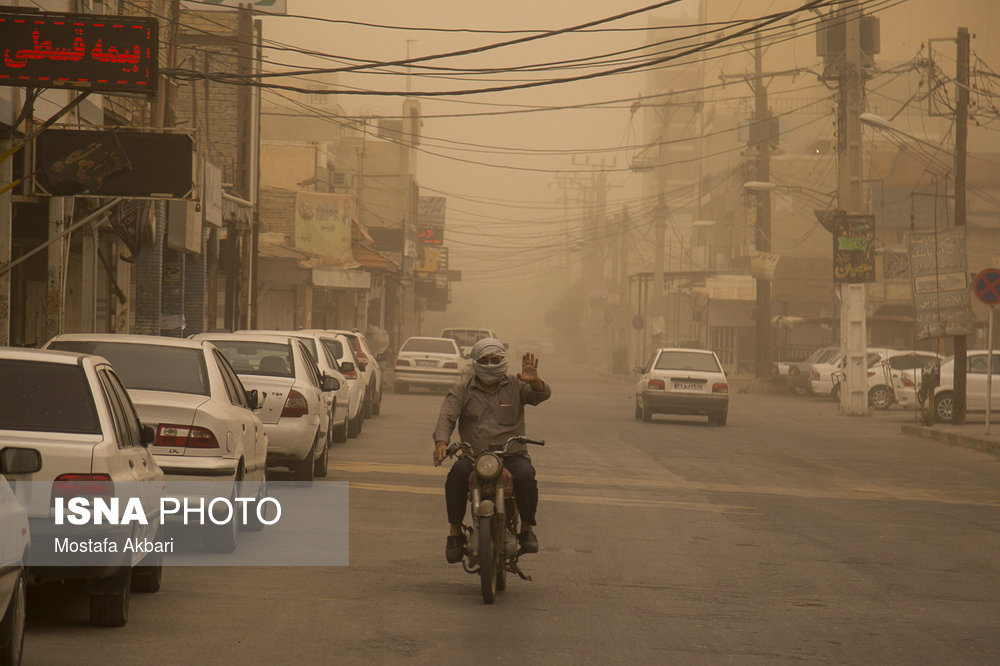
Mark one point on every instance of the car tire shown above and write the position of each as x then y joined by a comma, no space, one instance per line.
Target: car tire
402,388
109,607
880,397
377,404
12,625
253,524
944,406
305,469
638,410
322,462
647,415
340,433
355,425
366,404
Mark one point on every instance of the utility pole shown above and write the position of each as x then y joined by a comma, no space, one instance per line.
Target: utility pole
853,296
961,140
656,321
762,226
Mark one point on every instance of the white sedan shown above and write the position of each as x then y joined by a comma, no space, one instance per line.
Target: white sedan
975,385
15,541
682,381
206,429
428,363
74,410
294,412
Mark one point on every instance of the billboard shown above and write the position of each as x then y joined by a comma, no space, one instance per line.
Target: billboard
323,226
854,248
256,6
81,51
81,162
941,305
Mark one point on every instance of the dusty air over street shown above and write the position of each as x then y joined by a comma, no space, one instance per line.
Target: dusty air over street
620,331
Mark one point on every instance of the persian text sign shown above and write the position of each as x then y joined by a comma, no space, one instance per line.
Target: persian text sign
939,279
853,248
323,226
81,51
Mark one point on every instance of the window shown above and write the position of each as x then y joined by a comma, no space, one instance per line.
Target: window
430,346
683,360
46,397
312,372
252,357
148,367
237,394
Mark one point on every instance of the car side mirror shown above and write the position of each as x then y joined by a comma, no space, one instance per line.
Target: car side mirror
330,383
346,367
17,460
253,399
362,366
147,435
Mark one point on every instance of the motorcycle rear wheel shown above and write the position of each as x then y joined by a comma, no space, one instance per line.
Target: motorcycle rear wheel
487,561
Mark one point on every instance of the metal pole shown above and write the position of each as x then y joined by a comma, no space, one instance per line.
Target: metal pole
960,343
762,226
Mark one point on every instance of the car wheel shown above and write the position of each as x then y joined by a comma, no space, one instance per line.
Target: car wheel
322,462
253,523
944,405
402,388
221,538
647,415
354,425
340,433
304,470
147,576
880,397
638,410
377,404
12,625
366,404
109,605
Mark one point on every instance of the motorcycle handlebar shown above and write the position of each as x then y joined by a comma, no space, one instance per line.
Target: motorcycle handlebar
455,447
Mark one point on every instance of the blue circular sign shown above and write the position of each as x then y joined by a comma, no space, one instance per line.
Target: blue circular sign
987,286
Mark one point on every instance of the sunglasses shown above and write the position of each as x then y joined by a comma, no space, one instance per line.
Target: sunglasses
490,360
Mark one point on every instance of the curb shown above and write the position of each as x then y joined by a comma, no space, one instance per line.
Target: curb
953,439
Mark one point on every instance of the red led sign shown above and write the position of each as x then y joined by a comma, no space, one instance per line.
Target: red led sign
80,51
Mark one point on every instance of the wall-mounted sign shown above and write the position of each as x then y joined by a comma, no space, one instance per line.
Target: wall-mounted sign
323,226
80,51
256,6
854,248
939,279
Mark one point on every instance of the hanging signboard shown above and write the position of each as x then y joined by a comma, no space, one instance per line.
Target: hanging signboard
939,279
80,51
323,226
854,248
256,6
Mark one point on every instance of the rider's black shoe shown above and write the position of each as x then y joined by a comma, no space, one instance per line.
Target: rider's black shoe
528,542
455,549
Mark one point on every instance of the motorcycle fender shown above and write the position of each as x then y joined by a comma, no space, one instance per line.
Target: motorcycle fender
485,509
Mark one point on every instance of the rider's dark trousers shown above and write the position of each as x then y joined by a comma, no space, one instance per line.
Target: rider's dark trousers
456,488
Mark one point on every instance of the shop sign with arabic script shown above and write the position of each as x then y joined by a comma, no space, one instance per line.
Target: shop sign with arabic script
80,51
939,275
853,248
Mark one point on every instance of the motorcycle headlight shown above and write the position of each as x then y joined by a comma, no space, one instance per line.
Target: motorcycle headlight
488,466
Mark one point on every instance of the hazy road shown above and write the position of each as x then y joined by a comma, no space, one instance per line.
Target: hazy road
790,535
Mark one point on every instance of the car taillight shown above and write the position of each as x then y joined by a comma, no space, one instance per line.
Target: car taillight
450,364
185,436
907,382
720,387
82,485
402,362
657,384
815,375
295,405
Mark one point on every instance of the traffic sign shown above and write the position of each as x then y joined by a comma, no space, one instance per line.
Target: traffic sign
987,286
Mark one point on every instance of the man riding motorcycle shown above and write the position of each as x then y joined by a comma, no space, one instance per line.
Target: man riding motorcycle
488,407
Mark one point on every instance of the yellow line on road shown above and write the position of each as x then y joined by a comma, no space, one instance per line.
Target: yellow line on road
572,499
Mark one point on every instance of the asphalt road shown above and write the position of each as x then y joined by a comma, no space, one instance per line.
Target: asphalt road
791,535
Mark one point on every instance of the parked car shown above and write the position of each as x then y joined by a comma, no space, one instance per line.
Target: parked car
428,363
206,427
466,337
975,385
294,413
682,381
878,379
886,385
15,542
368,366
342,411
75,411
340,348
800,373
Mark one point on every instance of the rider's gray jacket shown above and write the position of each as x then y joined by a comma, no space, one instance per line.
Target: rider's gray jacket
487,418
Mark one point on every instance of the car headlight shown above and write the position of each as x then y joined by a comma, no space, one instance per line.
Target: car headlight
488,466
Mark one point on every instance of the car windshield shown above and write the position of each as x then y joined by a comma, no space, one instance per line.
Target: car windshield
148,367
429,345
46,397
821,354
253,357
465,338
683,360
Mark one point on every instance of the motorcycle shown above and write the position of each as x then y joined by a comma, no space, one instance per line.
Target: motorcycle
491,548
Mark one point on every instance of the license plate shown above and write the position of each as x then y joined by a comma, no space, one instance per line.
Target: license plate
423,362
687,386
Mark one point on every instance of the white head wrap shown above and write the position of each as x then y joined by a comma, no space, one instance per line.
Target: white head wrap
489,374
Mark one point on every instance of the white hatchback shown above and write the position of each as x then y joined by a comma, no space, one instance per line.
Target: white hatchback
682,381
74,410
294,412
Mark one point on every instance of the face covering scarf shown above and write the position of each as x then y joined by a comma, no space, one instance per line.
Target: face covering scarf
489,374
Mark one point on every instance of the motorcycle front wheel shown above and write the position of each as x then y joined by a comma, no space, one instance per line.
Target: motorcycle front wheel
487,560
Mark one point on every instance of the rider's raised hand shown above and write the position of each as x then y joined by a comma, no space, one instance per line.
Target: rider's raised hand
529,368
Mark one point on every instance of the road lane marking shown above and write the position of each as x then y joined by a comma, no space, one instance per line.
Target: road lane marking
573,499
860,491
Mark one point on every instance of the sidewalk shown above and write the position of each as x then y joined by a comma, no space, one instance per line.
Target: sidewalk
971,435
